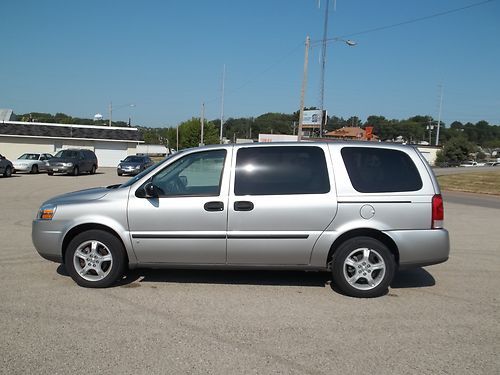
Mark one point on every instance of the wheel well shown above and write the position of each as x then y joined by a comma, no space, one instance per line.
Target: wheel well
366,232
85,227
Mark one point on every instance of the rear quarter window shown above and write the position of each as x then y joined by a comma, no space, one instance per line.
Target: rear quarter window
379,170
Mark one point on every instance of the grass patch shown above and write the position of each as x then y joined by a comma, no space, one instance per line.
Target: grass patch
482,183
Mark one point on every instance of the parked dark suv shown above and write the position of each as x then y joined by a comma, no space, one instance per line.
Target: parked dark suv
5,166
73,161
133,164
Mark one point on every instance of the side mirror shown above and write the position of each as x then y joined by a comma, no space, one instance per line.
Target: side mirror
147,191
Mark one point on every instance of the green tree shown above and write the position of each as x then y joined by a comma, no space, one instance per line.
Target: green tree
190,134
456,150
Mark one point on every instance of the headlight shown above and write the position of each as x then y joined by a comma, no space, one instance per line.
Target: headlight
46,212
68,164
137,167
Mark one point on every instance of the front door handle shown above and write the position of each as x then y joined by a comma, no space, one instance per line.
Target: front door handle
214,206
243,206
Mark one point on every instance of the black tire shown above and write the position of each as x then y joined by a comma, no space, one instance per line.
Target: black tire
90,269
75,171
93,169
34,169
8,171
353,272
119,173
50,173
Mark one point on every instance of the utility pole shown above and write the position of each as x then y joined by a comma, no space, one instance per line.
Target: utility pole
222,103
323,65
110,113
177,138
303,89
202,122
439,115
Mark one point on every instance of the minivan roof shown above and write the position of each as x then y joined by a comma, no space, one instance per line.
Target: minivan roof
306,143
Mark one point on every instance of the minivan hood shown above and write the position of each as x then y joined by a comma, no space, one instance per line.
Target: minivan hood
80,196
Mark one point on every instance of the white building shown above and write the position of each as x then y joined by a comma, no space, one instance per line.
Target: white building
110,144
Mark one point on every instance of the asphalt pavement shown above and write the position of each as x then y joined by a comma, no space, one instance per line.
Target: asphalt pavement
442,319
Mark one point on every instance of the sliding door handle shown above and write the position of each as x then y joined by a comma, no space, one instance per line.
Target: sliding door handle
243,206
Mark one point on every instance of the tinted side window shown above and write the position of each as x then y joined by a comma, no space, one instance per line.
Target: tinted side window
377,170
88,154
281,171
198,174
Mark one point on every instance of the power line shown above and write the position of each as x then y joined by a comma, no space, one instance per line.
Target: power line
440,14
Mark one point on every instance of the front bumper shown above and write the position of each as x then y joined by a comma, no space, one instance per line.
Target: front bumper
21,168
418,248
47,240
127,170
60,169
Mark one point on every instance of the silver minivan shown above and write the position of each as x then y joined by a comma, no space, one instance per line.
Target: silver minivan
358,209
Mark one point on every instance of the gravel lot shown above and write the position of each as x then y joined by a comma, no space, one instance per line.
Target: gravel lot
442,319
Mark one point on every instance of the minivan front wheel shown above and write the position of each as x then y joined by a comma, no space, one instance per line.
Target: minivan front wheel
363,267
95,259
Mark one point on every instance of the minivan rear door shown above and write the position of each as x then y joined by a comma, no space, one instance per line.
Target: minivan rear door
281,199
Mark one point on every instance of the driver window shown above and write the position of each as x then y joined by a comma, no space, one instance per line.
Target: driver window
197,174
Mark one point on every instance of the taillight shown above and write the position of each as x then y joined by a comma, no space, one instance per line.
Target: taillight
437,211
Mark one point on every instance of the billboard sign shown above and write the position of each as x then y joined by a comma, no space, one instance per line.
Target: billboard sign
312,117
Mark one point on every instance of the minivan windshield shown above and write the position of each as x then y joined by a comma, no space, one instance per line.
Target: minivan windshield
66,154
133,159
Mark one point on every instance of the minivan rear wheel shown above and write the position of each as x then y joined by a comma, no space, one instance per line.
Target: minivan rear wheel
95,259
363,267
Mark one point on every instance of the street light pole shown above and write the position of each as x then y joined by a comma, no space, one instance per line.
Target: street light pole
110,123
303,89
222,103
323,66
350,43
324,42
110,113
439,116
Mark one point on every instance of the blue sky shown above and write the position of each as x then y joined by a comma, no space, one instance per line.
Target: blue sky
166,57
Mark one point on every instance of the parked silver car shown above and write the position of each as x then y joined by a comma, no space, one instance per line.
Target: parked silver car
359,210
32,162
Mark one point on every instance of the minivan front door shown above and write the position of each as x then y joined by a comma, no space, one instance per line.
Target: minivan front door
187,221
